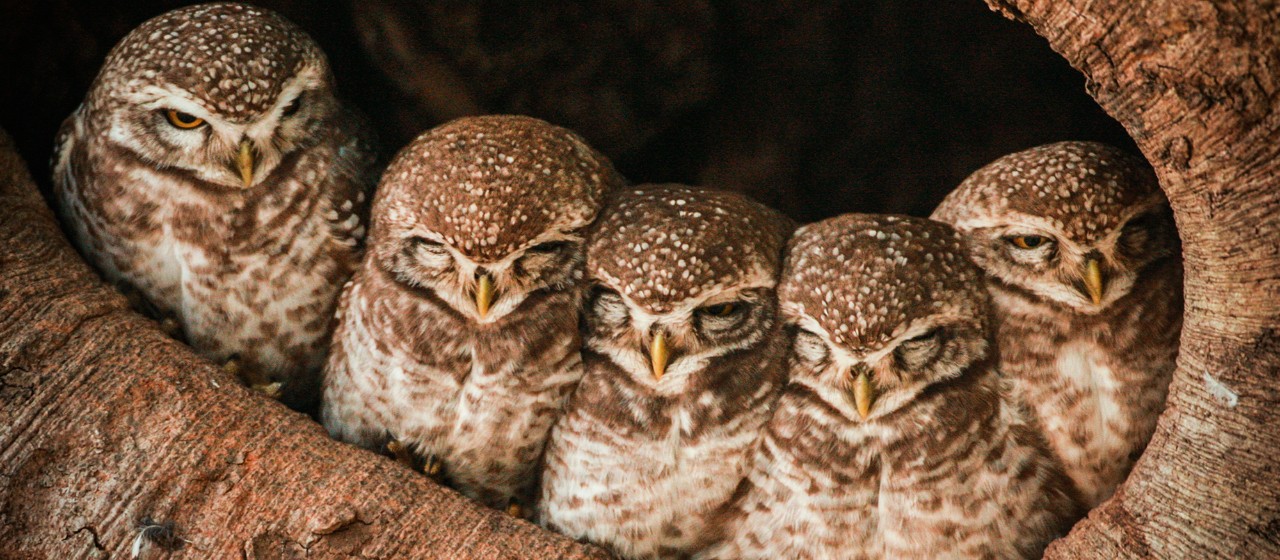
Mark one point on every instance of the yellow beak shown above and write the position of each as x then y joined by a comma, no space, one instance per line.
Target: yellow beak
484,294
244,161
1093,280
863,394
658,354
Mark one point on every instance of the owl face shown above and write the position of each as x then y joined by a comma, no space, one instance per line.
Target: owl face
1073,222
485,213
884,307
487,290
681,276
222,92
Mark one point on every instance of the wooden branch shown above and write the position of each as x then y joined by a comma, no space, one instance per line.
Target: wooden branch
104,421
1196,83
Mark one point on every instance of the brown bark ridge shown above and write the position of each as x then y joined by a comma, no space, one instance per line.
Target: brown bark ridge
1196,84
105,422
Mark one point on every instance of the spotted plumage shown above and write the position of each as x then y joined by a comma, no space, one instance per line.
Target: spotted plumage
211,170
458,335
683,358
895,437
1090,310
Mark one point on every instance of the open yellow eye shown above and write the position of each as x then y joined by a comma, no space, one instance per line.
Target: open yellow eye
183,120
1027,241
722,310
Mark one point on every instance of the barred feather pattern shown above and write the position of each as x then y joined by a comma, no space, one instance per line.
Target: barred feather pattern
481,398
248,273
640,471
959,474
1097,383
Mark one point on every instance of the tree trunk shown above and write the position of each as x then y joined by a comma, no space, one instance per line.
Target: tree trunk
105,422
160,434
1196,84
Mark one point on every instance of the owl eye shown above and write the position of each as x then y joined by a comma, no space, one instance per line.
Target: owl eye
607,306
1028,241
292,108
720,310
1134,235
916,353
182,120
427,246
810,347
549,247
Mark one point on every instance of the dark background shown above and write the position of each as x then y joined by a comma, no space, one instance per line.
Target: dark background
816,107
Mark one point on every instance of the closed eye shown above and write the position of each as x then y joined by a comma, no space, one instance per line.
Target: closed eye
928,335
607,306
917,352
549,247
810,347
292,108
427,245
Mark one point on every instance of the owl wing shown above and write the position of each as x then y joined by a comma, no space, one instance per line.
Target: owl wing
64,146
352,178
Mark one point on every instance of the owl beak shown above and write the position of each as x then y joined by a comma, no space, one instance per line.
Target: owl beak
1093,281
863,393
244,161
659,354
484,294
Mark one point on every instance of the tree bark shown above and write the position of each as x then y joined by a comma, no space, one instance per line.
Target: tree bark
1195,83
105,422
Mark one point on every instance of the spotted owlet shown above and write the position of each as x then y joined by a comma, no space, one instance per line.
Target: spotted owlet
211,170
1084,265
684,360
896,437
458,335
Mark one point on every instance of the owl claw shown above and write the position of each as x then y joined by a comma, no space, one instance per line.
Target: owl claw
273,390
171,327
434,467
515,510
401,453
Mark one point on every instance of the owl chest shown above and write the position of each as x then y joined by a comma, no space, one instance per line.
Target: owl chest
682,477
180,252
1093,394
463,393
805,503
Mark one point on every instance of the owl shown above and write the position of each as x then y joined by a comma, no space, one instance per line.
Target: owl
457,338
211,170
1083,261
895,436
683,354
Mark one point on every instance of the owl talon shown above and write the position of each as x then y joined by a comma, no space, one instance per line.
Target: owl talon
434,467
273,390
232,367
171,327
401,453
515,510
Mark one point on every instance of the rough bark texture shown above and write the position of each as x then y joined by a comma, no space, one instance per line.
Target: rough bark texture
1197,84
105,422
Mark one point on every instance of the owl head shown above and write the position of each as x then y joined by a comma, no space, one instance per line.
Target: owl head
681,276
1073,222
884,308
487,212
224,93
